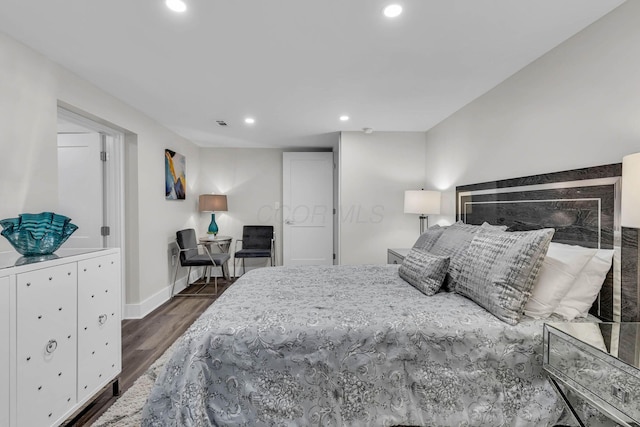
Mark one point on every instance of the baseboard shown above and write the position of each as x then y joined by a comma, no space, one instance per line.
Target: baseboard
140,310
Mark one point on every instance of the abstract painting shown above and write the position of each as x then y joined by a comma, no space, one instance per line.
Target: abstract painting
175,170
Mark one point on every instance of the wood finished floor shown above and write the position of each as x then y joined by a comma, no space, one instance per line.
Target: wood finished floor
144,340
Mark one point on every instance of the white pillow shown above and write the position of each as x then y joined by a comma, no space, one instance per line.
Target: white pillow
559,270
585,289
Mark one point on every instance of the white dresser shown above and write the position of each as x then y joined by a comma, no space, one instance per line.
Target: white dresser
61,325
4,351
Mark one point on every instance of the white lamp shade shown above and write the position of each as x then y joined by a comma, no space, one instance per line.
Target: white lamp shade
631,191
212,203
422,202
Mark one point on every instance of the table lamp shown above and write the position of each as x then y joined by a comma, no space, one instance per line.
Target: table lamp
422,202
212,203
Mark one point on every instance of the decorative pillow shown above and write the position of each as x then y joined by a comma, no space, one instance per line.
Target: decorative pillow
586,287
423,270
559,270
453,243
429,237
499,270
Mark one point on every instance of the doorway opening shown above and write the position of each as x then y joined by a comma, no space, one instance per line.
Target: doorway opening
90,183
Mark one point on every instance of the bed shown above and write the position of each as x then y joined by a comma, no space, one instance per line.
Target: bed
360,346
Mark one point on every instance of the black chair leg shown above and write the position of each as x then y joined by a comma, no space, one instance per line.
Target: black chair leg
225,270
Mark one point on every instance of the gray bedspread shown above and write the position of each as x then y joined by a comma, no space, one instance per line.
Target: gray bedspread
352,346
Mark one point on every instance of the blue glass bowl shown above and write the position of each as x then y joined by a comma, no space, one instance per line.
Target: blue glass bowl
37,234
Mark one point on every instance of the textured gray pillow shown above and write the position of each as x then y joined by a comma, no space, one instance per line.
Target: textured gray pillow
500,268
429,238
424,271
453,243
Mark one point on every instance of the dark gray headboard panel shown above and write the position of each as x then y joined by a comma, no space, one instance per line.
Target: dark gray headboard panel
583,205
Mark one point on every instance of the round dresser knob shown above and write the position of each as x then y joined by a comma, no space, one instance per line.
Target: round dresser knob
102,319
52,345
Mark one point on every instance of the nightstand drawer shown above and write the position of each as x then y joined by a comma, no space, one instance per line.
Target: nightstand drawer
610,384
396,256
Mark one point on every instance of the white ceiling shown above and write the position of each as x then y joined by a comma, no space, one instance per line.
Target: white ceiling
295,65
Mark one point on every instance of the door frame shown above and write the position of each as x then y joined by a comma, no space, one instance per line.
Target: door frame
113,181
284,217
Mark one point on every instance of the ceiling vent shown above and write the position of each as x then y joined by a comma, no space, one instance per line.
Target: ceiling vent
221,123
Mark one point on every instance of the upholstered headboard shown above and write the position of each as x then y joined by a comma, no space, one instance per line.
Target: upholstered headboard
583,205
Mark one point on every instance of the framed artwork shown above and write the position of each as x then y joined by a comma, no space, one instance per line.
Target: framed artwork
175,175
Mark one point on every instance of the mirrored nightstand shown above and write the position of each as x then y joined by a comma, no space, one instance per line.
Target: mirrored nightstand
396,256
600,363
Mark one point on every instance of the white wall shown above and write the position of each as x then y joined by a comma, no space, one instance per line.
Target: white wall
252,180
30,88
577,106
375,171
28,131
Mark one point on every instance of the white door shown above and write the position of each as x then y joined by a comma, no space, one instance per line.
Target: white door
80,187
307,208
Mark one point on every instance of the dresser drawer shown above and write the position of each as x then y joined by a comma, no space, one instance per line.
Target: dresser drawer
603,380
99,326
46,344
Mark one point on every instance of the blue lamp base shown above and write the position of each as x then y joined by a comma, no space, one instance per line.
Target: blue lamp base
213,227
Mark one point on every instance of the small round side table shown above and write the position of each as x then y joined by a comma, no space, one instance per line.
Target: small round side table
222,245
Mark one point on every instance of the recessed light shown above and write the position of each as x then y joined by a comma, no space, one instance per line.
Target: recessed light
344,118
176,5
392,11
249,120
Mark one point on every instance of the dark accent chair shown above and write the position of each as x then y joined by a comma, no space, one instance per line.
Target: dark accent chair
190,256
257,242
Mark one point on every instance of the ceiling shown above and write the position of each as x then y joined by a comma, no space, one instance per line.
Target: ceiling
295,66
